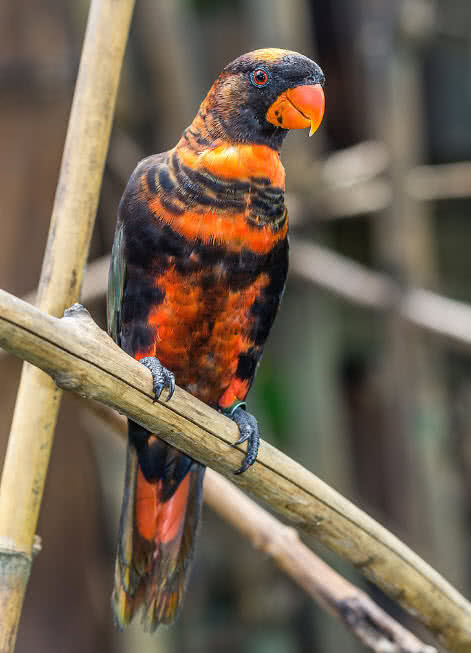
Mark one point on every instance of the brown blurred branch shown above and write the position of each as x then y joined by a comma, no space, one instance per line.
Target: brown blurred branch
354,282
352,181
437,182
339,275
346,183
282,544
81,357
73,217
354,608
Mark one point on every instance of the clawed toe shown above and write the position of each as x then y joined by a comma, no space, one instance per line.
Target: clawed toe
249,431
242,439
162,377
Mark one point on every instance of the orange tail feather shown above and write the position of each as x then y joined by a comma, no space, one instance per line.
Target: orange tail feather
156,543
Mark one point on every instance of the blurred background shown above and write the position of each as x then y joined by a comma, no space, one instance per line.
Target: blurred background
363,379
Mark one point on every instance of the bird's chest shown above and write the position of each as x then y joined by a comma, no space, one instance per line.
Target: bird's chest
215,224
232,196
206,318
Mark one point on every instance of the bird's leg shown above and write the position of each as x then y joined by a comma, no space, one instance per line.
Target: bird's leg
161,376
249,431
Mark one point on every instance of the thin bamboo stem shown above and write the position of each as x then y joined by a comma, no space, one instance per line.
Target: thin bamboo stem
71,227
340,598
81,357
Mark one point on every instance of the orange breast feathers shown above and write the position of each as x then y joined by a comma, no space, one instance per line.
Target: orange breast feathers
200,332
212,222
241,162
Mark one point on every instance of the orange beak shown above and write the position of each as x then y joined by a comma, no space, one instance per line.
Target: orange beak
298,108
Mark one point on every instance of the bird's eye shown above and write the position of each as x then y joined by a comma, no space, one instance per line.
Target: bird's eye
259,77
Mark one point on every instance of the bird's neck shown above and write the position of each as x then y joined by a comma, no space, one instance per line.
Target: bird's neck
232,161
223,120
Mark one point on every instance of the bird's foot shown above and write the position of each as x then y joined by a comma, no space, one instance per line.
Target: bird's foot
249,432
161,376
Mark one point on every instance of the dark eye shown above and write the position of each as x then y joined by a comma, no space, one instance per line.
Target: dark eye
259,77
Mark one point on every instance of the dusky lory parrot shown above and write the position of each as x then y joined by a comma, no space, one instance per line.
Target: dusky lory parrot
199,263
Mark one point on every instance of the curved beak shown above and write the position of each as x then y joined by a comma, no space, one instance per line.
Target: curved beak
298,108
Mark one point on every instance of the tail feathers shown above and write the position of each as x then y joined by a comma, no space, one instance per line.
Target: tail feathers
156,544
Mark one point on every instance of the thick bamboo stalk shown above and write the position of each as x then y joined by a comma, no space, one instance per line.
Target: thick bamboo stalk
71,227
82,358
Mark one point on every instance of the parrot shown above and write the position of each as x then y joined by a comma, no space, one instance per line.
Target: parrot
198,268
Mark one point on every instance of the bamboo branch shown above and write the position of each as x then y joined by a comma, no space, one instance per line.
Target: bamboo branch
81,357
340,598
438,182
71,227
429,311
354,608
339,275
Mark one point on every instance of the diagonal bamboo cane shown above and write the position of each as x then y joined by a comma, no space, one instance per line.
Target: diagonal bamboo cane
71,227
81,357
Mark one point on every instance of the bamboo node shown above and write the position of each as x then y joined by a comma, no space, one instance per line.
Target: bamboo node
375,631
77,311
67,382
37,545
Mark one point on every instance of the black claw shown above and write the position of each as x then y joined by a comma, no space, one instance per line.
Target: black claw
171,389
162,377
248,429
